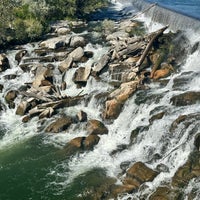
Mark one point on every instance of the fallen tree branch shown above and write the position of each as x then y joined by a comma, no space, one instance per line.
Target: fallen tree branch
149,45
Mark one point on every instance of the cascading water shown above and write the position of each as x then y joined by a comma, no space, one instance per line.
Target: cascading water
33,165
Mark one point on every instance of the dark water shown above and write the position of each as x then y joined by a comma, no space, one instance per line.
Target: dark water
187,7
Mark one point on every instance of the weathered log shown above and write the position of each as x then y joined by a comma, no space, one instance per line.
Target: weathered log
154,35
132,49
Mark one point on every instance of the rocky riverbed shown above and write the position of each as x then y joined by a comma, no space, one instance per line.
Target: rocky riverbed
62,68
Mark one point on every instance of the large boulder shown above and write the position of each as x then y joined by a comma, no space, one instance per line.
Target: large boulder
81,75
113,109
59,125
96,127
83,143
187,98
100,64
54,43
4,63
138,174
118,97
77,54
66,64
42,74
62,30
77,41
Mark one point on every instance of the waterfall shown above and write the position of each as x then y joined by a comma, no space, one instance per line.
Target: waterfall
176,21
39,161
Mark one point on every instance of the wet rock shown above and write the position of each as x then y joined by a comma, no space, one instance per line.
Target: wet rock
4,63
10,97
77,142
138,174
96,127
135,133
165,71
1,87
10,76
59,125
22,108
20,54
81,75
197,141
165,193
25,106
77,54
90,141
42,73
113,109
186,120
84,143
66,64
187,98
82,116
54,43
118,98
190,170
77,41
100,64
156,117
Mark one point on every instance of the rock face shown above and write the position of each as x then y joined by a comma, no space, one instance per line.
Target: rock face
187,98
96,127
4,63
59,125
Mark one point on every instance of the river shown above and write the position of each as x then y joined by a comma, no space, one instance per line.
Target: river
33,164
